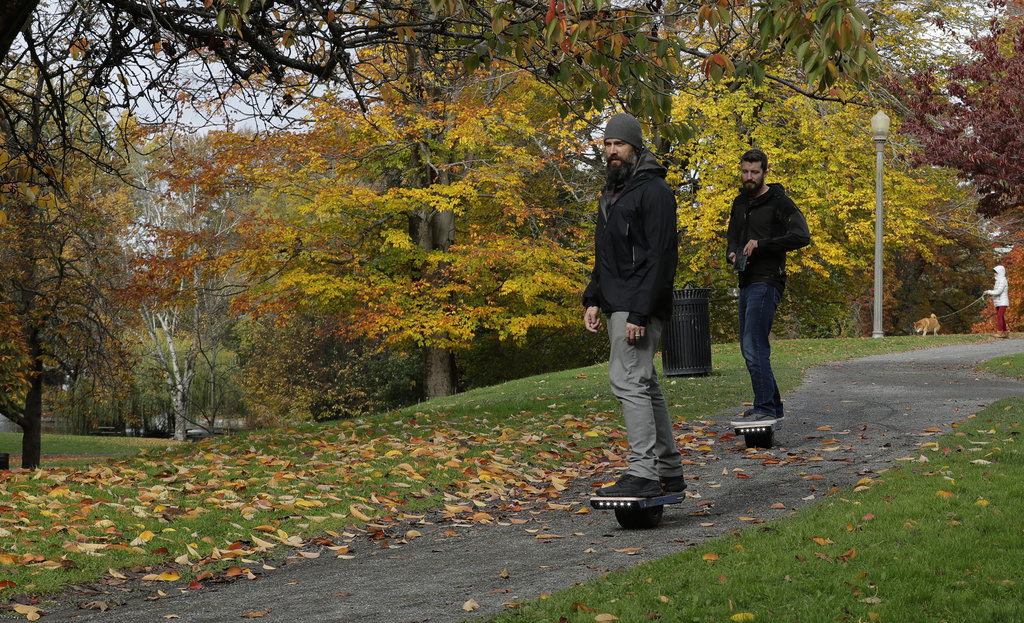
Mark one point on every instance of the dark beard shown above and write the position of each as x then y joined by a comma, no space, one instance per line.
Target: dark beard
617,174
752,191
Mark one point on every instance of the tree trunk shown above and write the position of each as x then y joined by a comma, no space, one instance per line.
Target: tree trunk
31,441
438,372
32,417
178,369
178,397
13,18
431,230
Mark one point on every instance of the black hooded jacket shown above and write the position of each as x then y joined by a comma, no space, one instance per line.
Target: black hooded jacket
636,246
778,226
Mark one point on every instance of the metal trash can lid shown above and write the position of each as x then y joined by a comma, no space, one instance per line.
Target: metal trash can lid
691,293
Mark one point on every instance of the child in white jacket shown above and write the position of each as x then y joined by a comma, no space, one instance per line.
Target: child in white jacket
1000,294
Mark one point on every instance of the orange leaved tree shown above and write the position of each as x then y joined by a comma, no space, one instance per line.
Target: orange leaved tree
186,212
62,272
448,209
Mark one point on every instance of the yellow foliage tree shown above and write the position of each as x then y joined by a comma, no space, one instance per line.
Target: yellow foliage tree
427,222
822,152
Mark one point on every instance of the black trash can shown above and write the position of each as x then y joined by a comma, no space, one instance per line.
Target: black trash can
686,339
5,460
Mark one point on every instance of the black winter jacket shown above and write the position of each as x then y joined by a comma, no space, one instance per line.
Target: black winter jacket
636,246
778,226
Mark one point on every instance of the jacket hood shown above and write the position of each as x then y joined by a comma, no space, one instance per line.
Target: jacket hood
647,162
775,189
1000,271
645,168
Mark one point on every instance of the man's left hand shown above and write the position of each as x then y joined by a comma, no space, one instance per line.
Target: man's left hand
748,249
634,333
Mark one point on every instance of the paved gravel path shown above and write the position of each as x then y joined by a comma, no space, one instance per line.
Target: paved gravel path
876,410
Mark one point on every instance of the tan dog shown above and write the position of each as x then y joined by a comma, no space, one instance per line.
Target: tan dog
924,325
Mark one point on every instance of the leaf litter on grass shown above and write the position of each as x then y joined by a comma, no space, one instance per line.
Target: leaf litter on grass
197,509
277,489
168,517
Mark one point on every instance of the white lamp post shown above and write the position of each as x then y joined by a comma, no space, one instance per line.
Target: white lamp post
880,130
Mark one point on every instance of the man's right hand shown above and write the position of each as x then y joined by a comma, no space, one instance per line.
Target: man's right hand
592,319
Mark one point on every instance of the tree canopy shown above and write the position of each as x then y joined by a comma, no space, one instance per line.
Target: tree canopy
151,58
971,119
423,225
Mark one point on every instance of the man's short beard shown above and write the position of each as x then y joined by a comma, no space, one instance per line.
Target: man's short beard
616,175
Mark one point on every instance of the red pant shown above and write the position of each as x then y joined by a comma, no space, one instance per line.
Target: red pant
1001,318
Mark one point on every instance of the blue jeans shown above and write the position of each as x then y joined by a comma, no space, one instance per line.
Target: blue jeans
757,306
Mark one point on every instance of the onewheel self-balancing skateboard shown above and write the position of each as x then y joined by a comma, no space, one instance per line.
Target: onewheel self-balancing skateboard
635,513
757,434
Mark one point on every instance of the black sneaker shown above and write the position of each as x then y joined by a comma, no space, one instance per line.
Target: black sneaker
630,486
753,418
750,411
673,484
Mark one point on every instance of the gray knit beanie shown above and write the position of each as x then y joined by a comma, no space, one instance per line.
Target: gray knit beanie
625,127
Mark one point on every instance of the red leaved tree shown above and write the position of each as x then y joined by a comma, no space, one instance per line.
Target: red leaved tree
972,119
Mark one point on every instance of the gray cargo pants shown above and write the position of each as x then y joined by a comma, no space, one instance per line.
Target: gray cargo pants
633,380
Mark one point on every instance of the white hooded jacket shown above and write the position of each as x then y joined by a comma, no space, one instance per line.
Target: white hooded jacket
1000,292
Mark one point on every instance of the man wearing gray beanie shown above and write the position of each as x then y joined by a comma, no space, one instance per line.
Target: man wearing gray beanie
624,126
635,255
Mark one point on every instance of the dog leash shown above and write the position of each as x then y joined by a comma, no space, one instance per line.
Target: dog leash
980,298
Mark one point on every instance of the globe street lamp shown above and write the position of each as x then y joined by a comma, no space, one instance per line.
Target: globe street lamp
880,130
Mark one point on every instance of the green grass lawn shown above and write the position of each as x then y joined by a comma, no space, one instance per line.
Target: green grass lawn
70,445
185,511
1005,366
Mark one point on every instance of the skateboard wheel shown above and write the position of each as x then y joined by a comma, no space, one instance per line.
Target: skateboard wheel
639,518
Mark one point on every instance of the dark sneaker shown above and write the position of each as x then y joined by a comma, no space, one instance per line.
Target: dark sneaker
754,418
750,411
630,486
673,484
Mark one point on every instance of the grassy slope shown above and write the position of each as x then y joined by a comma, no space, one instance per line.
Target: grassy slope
181,508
